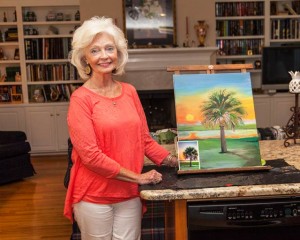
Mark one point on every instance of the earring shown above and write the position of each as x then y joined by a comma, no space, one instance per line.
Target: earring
88,69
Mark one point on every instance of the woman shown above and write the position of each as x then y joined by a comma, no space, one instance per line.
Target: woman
110,137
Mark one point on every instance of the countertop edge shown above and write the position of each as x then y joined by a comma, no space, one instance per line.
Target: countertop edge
222,192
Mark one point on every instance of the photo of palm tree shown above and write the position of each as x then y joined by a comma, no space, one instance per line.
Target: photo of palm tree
188,155
217,111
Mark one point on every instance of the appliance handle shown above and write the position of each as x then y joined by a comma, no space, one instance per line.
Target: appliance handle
257,223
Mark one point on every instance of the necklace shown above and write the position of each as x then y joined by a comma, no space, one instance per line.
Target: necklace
109,92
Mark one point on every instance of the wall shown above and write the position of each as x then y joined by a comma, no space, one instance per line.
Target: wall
193,9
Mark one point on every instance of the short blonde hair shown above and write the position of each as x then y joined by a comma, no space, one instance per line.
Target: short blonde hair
84,35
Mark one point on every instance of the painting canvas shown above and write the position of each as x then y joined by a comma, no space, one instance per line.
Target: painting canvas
216,119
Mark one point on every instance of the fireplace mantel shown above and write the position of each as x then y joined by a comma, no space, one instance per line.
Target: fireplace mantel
161,58
147,68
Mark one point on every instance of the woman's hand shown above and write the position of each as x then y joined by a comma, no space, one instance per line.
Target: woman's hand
152,176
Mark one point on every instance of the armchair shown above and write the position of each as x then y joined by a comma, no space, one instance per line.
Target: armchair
15,161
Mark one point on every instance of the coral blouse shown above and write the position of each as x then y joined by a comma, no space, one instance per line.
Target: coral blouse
107,133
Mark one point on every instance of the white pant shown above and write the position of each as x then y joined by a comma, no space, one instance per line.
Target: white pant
118,221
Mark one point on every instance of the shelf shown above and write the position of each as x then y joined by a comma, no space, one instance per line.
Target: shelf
48,36
51,23
284,40
9,43
11,83
284,17
239,56
240,37
241,18
8,24
9,61
38,61
55,82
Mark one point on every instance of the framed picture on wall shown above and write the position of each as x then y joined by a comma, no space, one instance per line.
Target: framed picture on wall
149,23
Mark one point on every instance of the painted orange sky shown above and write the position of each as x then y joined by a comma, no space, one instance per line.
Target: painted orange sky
189,100
188,108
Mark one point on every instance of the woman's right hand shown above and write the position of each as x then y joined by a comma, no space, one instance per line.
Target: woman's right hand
150,177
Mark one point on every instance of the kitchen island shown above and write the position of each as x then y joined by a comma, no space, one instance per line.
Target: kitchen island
176,199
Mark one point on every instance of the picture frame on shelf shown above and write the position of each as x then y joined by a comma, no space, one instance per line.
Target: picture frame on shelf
151,24
16,98
4,97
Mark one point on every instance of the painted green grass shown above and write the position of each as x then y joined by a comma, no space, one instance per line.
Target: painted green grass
241,153
186,165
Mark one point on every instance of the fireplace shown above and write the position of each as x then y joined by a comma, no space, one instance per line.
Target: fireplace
146,70
159,108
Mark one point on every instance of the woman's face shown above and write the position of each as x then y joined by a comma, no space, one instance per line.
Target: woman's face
102,54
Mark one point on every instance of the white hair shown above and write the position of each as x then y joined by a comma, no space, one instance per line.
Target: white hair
84,35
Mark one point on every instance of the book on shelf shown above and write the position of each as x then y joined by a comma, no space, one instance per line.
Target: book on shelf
47,48
51,72
251,8
285,29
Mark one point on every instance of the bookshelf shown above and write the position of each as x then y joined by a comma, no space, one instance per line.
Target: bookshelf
47,42
34,45
240,30
284,22
9,61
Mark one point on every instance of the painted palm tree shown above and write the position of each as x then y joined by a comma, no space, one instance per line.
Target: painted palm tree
191,154
223,110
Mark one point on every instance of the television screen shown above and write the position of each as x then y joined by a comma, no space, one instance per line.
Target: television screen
276,64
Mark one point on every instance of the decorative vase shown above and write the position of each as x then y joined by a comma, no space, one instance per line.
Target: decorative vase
38,96
201,30
294,85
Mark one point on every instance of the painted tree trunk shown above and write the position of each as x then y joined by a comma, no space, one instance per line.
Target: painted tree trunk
223,140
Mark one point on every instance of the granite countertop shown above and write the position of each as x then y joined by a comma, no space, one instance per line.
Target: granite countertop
273,149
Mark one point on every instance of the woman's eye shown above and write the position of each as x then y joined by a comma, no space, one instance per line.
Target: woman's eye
93,51
110,49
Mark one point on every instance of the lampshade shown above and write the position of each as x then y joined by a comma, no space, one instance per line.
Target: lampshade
294,85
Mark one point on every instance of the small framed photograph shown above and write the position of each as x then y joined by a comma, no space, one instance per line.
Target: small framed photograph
188,155
4,97
149,23
16,98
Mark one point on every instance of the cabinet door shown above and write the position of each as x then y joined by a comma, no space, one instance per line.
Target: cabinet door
281,106
262,111
62,128
12,119
41,131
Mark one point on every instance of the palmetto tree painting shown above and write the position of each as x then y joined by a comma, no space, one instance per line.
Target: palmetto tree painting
215,114
190,153
223,110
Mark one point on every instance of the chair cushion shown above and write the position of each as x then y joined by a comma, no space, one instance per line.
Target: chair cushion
13,149
12,136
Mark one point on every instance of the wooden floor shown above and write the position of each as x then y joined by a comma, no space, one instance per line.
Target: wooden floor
33,208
